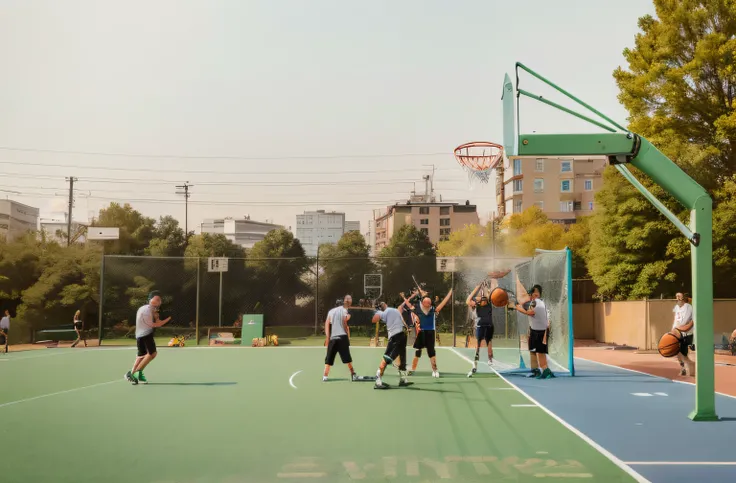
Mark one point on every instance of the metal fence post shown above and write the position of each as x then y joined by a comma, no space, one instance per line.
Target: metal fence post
196,313
102,296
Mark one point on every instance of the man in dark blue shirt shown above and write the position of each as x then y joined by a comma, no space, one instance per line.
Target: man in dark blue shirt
427,329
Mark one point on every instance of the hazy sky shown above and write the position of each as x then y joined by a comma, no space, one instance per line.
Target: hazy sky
247,100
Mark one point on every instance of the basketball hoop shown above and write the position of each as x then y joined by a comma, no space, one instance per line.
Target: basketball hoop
478,159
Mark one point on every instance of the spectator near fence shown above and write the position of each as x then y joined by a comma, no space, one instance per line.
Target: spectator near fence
5,330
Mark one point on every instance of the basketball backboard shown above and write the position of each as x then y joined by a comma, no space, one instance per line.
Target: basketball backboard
508,97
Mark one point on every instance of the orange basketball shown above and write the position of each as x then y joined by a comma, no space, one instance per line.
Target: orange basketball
669,345
499,297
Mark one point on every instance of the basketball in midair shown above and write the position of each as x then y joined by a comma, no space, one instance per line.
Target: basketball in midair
669,345
499,297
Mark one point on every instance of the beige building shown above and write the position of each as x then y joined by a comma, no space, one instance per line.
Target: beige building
16,219
436,219
562,187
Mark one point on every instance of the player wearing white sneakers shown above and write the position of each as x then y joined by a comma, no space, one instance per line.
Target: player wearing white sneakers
396,347
484,326
426,338
337,335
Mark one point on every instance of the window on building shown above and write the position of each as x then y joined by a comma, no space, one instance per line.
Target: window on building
566,185
566,206
566,166
540,205
444,222
444,210
424,221
539,166
425,231
588,185
590,205
517,167
424,210
444,234
517,206
518,185
538,185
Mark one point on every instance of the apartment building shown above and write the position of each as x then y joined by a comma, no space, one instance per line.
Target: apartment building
435,219
352,226
244,232
562,187
16,219
314,228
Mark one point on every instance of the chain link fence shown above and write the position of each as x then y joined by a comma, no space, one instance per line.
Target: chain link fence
293,295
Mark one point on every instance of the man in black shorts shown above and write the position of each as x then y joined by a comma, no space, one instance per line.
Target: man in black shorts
337,340
396,346
5,330
426,338
146,321
536,310
484,328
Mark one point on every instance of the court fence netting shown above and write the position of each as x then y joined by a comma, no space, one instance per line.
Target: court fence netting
290,297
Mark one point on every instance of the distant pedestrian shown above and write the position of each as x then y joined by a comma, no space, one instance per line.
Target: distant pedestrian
79,329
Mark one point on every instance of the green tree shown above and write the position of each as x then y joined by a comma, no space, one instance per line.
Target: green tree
679,92
213,245
470,241
410,252
168,238
342,267
136,230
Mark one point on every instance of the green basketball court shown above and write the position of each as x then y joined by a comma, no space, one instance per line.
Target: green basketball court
264,415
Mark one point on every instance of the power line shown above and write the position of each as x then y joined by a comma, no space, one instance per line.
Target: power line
245,158
211,171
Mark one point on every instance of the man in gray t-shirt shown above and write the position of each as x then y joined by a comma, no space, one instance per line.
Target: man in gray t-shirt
337,337
396,346
146,320
5,329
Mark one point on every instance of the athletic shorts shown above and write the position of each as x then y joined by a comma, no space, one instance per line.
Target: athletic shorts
426,340
339,345
536,341
484,332
396,347
146,345
687,341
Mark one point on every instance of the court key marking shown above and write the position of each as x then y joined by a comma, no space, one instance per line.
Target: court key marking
291,379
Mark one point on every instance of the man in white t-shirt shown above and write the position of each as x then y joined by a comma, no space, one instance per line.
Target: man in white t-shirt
683,322
146,321
536,310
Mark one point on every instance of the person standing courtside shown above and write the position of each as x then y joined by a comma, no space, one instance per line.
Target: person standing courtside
683,315
79,329
5,330
146,321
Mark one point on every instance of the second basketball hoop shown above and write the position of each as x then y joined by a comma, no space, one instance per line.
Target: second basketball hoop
478,159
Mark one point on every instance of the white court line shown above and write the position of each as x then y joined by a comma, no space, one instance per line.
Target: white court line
57,393
650,375
682,463
291,379
630,471
524,405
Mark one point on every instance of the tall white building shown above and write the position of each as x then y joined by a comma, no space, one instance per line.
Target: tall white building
352,226
314,228
55,228
245,232
17,219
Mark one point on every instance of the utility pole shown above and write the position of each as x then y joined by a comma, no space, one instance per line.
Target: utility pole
71,180
185,187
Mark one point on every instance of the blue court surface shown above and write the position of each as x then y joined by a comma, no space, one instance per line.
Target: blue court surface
642,421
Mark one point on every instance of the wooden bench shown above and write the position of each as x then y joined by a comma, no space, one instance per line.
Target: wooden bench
55,334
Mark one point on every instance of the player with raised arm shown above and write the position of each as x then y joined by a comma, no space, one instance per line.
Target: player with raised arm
484,325
396,346
337,337
426,338
536,310
146,322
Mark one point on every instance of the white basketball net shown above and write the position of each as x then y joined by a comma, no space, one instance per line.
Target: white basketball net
478,159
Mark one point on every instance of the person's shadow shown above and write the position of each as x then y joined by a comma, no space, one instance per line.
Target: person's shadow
192,383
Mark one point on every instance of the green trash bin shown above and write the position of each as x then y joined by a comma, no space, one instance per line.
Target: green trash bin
252,328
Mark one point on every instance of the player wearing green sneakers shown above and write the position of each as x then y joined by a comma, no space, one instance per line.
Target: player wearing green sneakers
538,331
146,321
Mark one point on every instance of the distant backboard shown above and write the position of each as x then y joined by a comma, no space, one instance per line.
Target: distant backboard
103,233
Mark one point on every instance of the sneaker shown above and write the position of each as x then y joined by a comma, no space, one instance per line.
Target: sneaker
381,385
324,378
472,372
535,373
683,372
547,374
405,383
355,377
130,378
410,373
436,374
142,378
490,362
